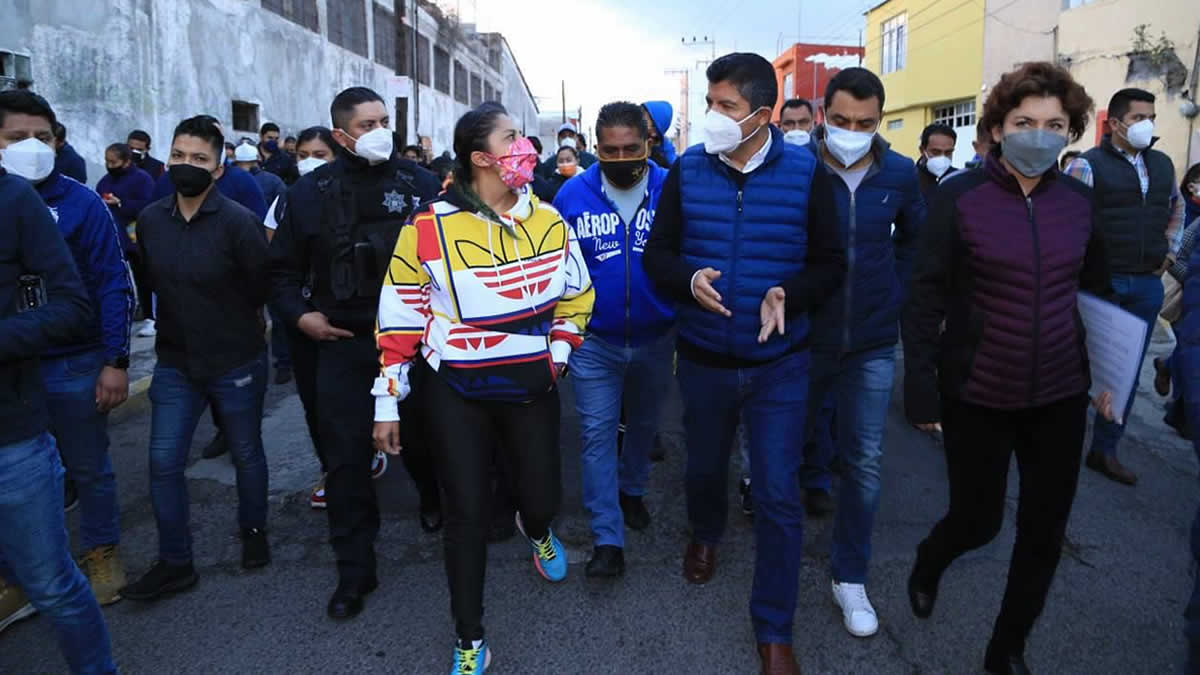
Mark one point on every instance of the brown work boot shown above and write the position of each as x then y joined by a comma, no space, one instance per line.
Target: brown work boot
104,572
14,606
777,659
699,562
1111,468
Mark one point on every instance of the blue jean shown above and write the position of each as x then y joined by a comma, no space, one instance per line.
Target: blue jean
773,400
604,376
861,384
1192,612
35,554
177,403
1142,296
81,432
280,348
818,452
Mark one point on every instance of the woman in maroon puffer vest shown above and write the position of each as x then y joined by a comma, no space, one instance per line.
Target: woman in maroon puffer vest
1003,254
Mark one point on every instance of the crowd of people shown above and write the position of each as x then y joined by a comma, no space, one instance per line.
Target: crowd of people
431,308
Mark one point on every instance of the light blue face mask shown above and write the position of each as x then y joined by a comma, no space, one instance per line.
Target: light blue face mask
1032,152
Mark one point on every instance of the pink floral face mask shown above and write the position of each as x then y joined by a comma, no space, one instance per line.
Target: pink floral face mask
516,167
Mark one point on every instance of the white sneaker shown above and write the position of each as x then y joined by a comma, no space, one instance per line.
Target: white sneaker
857,612
148,329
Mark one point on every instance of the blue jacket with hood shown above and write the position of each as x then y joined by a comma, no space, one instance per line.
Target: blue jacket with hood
662,112
96,244
867,312
629,310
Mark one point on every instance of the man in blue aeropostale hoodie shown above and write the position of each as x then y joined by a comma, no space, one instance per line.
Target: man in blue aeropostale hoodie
628,354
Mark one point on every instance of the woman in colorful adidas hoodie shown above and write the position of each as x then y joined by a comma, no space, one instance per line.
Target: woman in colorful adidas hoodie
486,296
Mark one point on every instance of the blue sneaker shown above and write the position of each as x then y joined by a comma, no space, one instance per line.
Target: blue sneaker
471,657
549,556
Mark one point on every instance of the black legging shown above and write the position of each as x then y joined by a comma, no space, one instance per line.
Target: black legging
979,442
465,433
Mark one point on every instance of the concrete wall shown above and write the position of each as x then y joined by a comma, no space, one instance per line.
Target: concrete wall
1096,39
1015,32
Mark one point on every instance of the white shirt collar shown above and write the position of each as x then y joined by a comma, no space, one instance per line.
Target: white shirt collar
756,160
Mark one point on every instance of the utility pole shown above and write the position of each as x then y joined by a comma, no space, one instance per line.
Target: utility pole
414,78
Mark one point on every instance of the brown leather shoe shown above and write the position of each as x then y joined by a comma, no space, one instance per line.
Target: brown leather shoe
1111,468
777,659
699,562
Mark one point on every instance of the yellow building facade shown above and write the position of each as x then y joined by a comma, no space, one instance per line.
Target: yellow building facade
929,54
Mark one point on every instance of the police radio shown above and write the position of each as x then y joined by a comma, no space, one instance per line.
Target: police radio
31,292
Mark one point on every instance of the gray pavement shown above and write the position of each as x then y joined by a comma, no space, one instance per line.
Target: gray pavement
1116,606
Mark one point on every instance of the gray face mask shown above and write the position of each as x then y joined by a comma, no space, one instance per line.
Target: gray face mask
1032,152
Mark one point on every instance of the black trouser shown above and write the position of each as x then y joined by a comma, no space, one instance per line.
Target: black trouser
414,438
465,433
346,369
303,351
979,442
141,279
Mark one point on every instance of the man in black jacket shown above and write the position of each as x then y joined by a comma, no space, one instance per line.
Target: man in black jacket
327,262
42,302
1140,213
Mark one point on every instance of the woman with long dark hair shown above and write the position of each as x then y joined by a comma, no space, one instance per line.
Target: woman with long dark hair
485,298
1004,252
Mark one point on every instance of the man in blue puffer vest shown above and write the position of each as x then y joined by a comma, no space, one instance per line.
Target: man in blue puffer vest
745,238
854,336
627,356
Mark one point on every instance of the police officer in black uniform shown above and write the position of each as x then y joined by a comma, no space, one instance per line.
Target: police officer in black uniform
328,259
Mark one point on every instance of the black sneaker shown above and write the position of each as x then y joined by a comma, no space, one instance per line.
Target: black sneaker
634,510
162,579
256,552
747,498
70,495
607,561
217,447
283,375
819,503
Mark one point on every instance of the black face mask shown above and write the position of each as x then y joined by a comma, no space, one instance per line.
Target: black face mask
119,171
190,180
625,173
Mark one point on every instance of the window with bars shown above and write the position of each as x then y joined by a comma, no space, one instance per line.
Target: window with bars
462,92
245,116
422,59
302,12
894,43
476,89
955,115
441,70
385,37
348,25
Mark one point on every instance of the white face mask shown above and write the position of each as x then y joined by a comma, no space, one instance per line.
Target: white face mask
723,134
31,159
1139,135
568,142
375,146
848,146
937,165
797,137
306,165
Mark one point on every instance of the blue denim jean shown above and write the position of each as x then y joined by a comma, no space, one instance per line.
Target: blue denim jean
818,451
773,400
280,348
1142,296
35,554
861,385
605,376
177,402
81,433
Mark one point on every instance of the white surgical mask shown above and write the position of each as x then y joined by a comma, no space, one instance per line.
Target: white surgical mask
568,142
1140,134
723,134
848,146
31,159
306,165
797,137
375,146
937,165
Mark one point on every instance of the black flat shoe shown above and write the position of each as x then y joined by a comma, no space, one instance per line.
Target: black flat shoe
634,511
1006,664
347,600
921,595
431,521
607,561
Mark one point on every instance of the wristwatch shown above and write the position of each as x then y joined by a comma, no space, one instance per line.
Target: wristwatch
121,362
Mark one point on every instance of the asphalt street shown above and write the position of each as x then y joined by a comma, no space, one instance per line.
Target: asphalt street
1115,607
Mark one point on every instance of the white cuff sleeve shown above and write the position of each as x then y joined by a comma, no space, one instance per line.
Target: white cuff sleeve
560,351
387,409
692,285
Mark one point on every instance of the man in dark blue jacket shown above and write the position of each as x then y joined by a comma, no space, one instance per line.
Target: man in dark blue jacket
67,161
627,358
84,378
746,240
854,335
42,302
